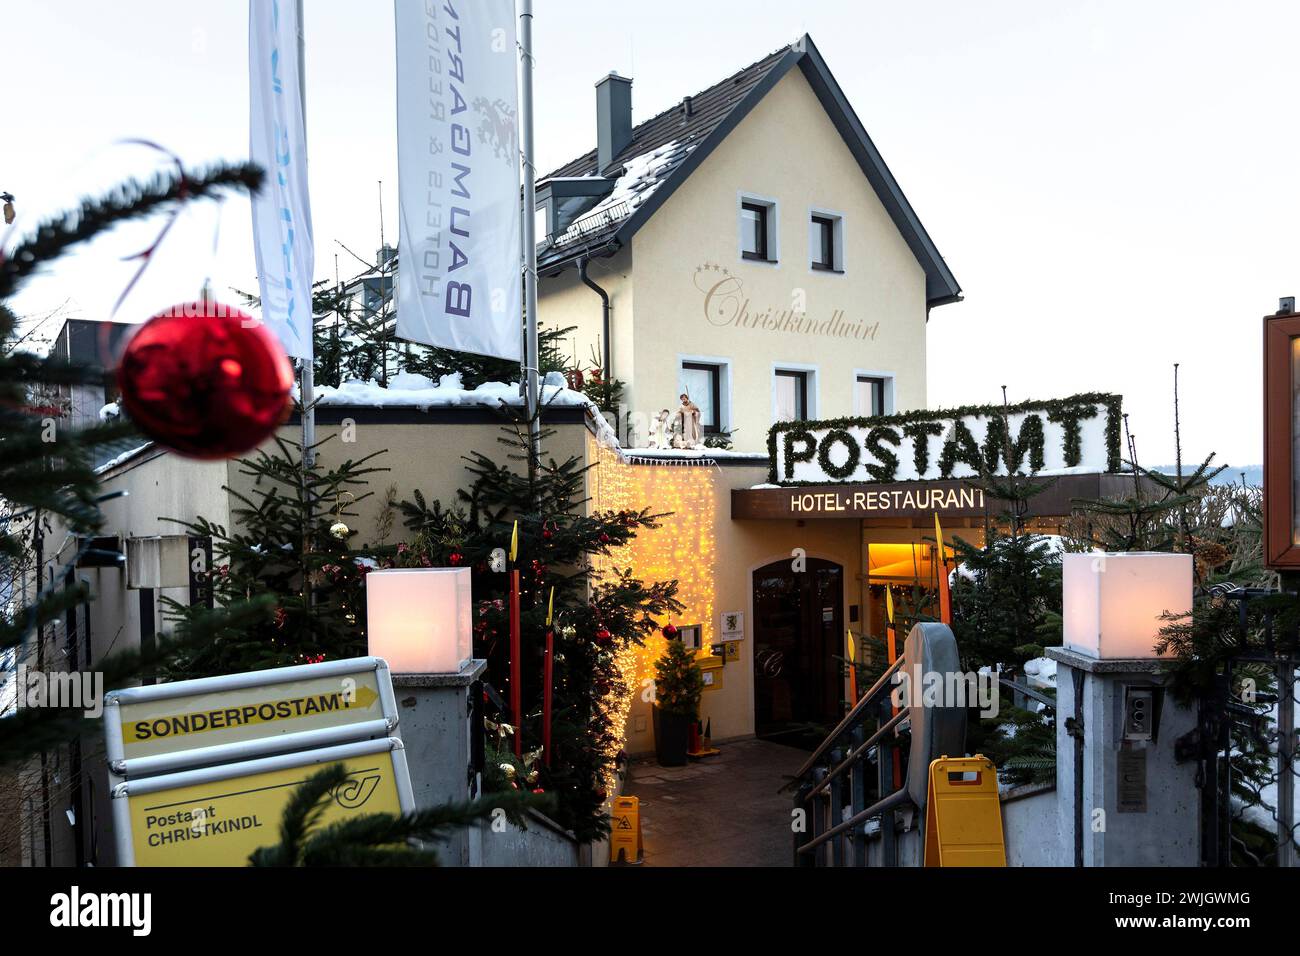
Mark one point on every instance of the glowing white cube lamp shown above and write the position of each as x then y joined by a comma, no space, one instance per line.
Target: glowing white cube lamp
419,619
1114,604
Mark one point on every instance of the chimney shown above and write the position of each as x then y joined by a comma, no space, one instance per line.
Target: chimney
613,118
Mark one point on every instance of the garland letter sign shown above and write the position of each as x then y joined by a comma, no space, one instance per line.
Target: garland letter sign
1076,434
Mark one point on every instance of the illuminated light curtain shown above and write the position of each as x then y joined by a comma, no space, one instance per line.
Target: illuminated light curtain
683,548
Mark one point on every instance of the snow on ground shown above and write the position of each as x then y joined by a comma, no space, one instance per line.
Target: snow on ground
1040,673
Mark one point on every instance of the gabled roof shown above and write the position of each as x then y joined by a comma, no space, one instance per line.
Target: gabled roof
666,149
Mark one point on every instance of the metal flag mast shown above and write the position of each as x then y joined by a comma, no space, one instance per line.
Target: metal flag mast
530,363
307,375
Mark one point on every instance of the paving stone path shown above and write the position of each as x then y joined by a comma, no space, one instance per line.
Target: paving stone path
719,811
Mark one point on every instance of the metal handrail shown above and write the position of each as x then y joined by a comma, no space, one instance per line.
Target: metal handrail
1027,691
858,772
852,717
855,754
826,794
895,799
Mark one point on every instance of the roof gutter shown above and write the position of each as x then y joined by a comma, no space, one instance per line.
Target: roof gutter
943,300
606,370
603,249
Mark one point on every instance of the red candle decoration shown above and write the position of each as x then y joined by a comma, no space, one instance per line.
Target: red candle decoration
516,680
548,679
205,380
945,589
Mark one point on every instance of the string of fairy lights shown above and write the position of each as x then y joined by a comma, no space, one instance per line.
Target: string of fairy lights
683,548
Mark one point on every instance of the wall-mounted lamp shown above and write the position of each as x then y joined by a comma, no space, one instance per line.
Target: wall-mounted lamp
1114,604
419,619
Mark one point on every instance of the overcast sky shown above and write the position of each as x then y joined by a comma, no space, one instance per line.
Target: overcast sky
1113,183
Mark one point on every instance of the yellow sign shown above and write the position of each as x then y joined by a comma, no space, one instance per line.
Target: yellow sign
625,844
220,823
732,651
963,815
169,725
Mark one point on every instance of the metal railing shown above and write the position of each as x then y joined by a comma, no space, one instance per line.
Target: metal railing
592,222
863,773
840,774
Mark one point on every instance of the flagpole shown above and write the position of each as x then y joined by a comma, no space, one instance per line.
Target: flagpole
307,375
529,232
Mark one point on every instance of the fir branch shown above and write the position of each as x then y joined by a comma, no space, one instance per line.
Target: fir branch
130,200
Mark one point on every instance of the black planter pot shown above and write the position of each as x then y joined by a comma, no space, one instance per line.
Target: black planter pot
672,736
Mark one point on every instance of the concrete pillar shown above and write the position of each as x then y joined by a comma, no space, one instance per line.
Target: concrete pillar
434,712
1122,798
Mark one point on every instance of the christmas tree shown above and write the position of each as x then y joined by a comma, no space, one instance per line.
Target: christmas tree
679,682
1007,598
598,618
291,541
48,481
1006,608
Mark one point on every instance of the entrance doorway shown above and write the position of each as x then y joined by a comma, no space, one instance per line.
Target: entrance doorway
798,633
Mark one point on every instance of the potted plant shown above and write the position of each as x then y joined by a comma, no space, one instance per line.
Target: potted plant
678,686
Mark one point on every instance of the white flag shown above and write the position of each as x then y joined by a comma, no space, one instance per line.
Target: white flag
458,278
282,236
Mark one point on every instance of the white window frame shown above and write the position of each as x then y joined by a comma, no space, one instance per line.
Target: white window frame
890,406
724,385
837,240
773,228
814,386
544,210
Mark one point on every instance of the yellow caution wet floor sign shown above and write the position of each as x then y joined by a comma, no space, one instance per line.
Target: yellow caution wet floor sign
625,844
963,815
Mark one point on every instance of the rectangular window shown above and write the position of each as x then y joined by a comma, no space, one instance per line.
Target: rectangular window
823,243
542,223
702,383
870,397
791,389
753,230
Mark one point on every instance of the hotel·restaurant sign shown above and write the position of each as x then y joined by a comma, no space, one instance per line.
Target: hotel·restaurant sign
918,463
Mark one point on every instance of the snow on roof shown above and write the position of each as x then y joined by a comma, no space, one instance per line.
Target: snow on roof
122,458
642,175
410,390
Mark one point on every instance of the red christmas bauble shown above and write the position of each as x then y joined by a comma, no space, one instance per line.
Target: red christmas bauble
670,631
603,636
455,558
205,380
